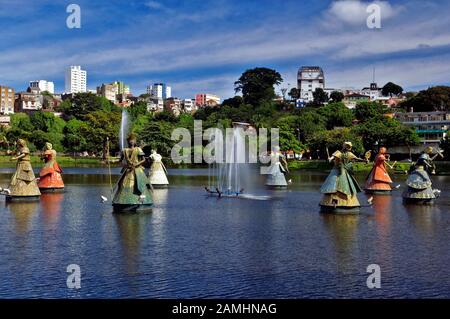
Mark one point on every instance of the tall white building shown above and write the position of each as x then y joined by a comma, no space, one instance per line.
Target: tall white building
75,80
160,91
43,85
310,78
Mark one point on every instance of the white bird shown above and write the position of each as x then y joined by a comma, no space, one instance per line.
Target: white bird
397,187
370,200
290,181
104,199
141,198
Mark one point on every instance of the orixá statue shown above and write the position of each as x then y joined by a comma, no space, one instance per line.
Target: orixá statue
340,188
277,170
23,185
419,184
378,181
158,171
132,191
50,179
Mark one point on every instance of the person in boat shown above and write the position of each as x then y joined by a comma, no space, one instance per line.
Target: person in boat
277,169
133,187
158,171
378,179
419,182
50,175
23,182
340,188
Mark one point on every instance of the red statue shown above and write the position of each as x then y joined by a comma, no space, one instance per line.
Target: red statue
378,180
50,175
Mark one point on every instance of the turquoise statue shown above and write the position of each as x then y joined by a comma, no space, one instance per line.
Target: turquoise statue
132,191
340,188
419,184
277,170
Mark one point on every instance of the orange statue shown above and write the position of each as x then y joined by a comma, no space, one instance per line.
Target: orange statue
50,175
378,180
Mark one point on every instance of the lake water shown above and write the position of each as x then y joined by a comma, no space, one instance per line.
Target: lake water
194,246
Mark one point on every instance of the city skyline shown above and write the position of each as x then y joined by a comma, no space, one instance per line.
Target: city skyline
204,47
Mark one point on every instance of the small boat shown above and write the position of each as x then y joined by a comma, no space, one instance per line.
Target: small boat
226,193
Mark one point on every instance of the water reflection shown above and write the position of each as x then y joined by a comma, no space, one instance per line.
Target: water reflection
23,213
132,232
51,207
343,231
382,206
424,217
160,196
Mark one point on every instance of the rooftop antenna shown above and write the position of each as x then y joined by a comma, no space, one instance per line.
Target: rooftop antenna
373,75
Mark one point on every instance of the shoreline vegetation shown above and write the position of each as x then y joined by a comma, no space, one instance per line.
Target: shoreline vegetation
442,167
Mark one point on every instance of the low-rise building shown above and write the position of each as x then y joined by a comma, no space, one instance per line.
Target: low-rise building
6,100
28,102
50,102
155,104
173,105
5,120
188,105
352,99
205,99
43,85
431,127
108,91
373,91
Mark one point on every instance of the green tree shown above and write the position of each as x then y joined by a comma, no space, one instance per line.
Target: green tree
336,115
320,97
385,131
74,141
433,99
336,96
390,89
157,135
234,102
365,111
334,139
294,93
137,110
81,104
101,126
257,85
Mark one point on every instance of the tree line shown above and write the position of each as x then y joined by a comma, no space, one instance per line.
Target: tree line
88,122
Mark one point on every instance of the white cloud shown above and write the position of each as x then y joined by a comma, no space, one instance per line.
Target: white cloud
154,5
354,12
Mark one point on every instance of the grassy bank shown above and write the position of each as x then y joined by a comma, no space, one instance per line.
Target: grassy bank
62,160
442,168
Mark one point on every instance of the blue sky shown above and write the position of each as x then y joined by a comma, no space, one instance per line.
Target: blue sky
204,46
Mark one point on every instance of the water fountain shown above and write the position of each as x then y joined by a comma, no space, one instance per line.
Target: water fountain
124,129
231,176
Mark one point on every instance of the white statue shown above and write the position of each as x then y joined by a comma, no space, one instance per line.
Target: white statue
158,171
